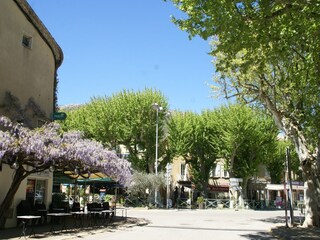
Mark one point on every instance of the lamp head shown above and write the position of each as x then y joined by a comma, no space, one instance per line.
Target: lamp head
157,107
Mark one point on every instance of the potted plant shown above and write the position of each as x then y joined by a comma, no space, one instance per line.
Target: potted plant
200,202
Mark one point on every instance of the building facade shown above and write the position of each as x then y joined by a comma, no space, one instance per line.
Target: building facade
260,192
29,60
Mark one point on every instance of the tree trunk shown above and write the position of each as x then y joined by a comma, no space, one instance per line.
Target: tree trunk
204,178
245,187
151,166
19,176
310,167
205,188
231,164
310,164
312,210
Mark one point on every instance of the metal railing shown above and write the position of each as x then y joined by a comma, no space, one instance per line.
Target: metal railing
217,203
136,202
226,203
183,203
209,203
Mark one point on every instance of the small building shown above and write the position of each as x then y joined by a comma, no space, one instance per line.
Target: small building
29,60
259,190
218,185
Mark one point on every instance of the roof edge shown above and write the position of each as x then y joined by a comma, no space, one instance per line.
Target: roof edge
43,31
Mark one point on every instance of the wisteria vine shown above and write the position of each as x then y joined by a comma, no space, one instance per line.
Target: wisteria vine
48,146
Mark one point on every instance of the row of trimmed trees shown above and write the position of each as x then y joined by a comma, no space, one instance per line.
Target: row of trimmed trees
243,136
239,134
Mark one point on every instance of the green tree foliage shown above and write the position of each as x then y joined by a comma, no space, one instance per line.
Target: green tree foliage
276,162
248,137
194,137
268,52
126,118
141,182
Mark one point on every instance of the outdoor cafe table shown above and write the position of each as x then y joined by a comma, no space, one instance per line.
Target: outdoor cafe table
25,220
55,216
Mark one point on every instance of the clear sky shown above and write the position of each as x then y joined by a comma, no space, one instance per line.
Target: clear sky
111,45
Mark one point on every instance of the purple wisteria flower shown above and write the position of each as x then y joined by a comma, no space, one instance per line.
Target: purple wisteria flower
48,145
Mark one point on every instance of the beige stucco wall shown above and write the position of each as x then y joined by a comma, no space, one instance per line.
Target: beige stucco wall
6,176
176,171
25,72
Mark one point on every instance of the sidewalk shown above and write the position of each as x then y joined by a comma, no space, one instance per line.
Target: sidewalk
44,231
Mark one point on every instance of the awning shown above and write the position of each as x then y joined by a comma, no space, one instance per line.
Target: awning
67,177
92,175
100,180
280,187
218,188
60,178
187,184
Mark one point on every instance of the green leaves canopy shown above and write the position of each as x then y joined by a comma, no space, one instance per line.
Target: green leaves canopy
247,138
266,51
126,118
194,136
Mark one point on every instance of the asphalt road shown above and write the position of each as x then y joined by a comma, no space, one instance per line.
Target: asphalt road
180,224
197,225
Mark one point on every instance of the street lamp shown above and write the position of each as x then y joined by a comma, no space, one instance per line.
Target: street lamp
158,108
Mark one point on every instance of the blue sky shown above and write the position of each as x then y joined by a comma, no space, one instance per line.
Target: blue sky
114,45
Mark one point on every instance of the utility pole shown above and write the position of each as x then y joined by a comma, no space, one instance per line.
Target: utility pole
290,184
168,168
285,194
158,108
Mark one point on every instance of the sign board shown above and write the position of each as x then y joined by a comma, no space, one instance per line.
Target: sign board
238,180
234,182
59,116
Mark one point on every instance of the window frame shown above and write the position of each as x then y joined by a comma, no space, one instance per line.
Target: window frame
27,41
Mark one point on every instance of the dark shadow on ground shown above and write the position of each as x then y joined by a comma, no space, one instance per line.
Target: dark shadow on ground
297,233
287,233
260,236
44,231
297,220
274,220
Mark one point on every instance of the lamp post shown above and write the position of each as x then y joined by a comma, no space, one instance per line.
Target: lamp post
158,108
169,168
